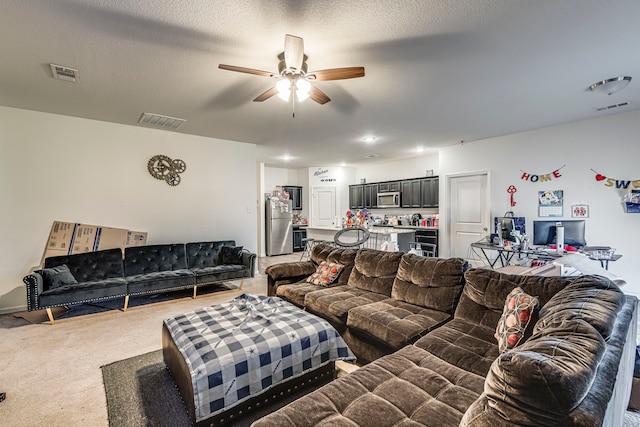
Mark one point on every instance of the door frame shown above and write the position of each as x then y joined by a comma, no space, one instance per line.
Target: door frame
445,226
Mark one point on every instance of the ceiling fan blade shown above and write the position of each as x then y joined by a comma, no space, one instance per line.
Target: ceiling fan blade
319,96
266,94
293,52
246,70
337,74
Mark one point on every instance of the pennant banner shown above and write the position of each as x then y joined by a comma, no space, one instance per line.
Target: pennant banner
617,183
526,176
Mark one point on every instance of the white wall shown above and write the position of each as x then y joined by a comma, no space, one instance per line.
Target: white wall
415,167
608,145
69,169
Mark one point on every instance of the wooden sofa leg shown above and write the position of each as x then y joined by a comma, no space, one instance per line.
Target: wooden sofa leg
195,290
126,302
241,283
50,314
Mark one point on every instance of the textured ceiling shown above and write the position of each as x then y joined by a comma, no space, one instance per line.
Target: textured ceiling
437,72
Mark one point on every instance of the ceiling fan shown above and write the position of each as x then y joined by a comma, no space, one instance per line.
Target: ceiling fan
293,77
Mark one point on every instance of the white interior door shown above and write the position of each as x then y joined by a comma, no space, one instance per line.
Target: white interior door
469,214
323,206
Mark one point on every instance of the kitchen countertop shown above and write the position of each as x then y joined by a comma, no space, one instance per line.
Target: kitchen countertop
374,230
415,227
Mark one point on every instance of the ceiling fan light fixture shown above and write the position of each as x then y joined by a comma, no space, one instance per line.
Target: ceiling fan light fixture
302,89
284,89
611,86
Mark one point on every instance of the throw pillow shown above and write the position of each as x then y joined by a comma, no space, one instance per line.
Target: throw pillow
517,313
326,273
231,255
56,277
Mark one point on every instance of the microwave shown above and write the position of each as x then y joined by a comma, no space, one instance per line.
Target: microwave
389,200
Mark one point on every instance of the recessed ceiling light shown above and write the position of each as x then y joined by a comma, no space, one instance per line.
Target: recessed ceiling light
419,149
286,157
369,138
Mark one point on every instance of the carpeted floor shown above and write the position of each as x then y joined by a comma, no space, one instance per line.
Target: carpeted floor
141,392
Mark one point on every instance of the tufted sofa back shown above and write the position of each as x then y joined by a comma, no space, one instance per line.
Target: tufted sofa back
99,265
205,254
429,282
154,258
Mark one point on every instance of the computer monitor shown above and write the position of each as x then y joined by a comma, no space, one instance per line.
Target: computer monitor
504,228
544,232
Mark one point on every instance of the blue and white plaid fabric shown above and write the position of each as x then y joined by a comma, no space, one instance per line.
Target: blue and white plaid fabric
241,348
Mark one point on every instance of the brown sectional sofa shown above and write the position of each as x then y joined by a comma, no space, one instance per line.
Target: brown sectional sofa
435,360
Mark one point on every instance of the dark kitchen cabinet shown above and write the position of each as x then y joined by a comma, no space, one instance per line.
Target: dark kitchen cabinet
411,194
386,187
430,189
356,196
428,236
299,234
295,194
370,196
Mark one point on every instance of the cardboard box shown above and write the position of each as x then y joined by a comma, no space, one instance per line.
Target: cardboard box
136,238
67,238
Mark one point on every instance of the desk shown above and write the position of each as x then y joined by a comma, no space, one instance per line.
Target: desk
506,255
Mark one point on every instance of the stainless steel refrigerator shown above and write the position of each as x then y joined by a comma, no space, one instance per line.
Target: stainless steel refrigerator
279,227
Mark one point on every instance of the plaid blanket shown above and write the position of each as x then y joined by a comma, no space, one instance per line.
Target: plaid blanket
244,347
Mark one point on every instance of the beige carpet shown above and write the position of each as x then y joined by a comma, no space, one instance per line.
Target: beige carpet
52,375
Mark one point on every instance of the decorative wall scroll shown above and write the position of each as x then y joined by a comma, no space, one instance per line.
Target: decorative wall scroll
526,176
162,167
617,183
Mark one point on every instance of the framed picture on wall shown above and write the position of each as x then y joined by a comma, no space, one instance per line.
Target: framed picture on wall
580,211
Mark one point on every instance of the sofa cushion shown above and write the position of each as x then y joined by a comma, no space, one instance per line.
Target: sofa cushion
325,274
434,283
344,257
407,388
161,280
468,346
230,255
594,299
375,270
91,266
334,303
485,291
516,316
296,292
206,254
56,277
546,378
218,273
395,323
140,260
83,292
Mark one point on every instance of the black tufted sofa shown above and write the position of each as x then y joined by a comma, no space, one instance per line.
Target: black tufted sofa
101,275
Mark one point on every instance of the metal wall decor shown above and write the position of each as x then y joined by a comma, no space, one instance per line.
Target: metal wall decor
162,167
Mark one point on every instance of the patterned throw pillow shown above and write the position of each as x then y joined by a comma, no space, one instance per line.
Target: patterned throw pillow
326,273
517,313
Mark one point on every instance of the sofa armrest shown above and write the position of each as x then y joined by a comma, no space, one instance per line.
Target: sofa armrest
287,272
249,261
35,286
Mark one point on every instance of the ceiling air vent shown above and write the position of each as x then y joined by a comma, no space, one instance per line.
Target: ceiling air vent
612,106
67,74
160,121
370,156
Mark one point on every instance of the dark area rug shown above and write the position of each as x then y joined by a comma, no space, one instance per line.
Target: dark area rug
141,392
40,316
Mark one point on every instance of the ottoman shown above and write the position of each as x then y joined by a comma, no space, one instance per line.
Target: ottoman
228,358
